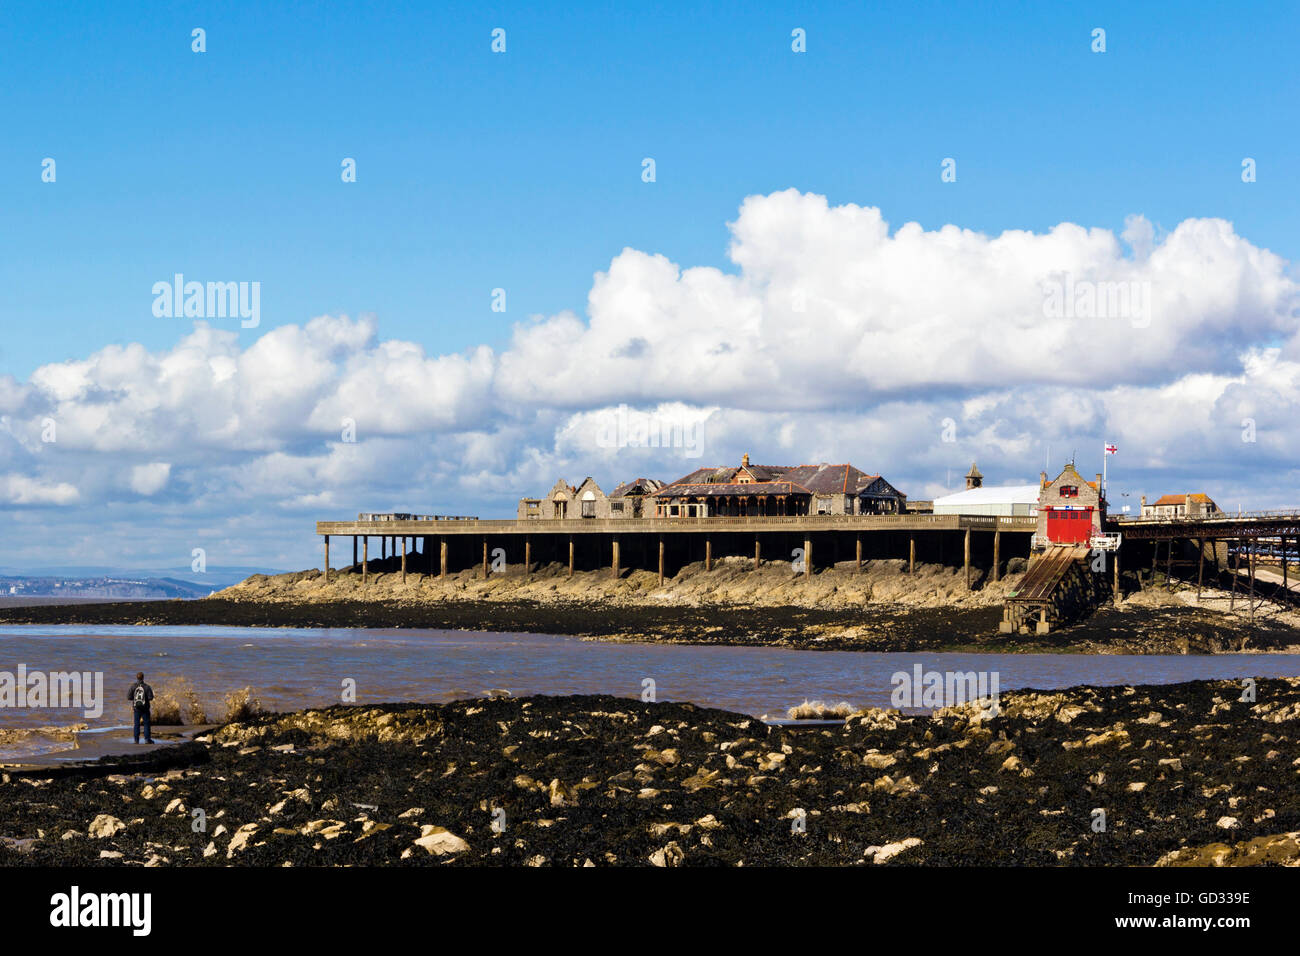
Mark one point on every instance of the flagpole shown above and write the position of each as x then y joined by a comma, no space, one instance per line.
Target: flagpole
1105,455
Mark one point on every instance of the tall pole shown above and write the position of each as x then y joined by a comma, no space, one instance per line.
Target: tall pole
327,559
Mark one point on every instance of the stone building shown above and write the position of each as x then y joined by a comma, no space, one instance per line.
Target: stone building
587,500
1071,510
774,490
1196,505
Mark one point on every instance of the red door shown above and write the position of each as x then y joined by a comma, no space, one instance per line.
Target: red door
1069,526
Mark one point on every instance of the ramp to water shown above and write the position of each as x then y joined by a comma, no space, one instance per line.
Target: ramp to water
1046,574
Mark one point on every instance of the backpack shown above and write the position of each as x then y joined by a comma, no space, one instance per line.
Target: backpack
139,697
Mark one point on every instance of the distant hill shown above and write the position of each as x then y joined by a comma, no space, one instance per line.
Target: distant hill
104,586
193,585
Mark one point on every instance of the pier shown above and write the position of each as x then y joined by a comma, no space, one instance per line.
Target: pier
429,544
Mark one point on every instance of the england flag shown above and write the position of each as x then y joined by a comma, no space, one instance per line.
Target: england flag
1111,449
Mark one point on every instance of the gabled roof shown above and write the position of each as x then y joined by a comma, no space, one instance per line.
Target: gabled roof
638,486
1199,498
820,479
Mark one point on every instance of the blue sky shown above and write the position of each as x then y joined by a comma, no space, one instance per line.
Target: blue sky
522,171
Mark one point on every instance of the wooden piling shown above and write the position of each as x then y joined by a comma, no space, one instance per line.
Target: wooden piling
442,557
966,558
528,554
1200,566
403,559
485,558
911,554
758,552
708,554
1118,592
997,560
570,555
807,556
661,560
365,559
614,562
858,549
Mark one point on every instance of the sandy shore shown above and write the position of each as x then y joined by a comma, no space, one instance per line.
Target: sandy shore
1183,773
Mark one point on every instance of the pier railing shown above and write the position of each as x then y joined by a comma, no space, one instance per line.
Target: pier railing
421,525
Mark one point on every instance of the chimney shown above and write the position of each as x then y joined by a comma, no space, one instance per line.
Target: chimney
1099,481
1042,479
744,461
1144,501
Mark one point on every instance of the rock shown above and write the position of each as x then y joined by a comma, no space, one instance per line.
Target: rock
1173,763
175,806
771,762
874,760
562,795
110,854
105,825
413,812
439,841
240,839
883,854
1227,823
670,855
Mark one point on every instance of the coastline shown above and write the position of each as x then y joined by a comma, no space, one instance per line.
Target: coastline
1187,774
878,609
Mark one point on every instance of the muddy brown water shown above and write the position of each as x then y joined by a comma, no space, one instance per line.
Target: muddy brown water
293,668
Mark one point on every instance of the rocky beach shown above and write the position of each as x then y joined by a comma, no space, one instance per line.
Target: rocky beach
1179,774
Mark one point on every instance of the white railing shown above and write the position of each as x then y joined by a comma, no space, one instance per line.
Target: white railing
1105,542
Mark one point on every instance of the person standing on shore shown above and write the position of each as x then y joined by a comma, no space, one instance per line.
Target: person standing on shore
140,695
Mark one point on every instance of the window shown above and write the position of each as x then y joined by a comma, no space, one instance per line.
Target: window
616,507
588,508
1069,491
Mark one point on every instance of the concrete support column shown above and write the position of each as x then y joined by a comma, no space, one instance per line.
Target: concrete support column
997,556
327,559
966,558
442,557
708,554
661,560
570,555
354,550
614,560
383,547
807,556
365,558
911,554
403,559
